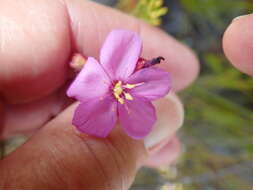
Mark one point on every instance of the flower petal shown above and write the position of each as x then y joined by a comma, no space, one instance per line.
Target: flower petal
91,83
120,53
96,117
137,117
156,83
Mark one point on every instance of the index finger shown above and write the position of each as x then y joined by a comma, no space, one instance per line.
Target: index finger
34,57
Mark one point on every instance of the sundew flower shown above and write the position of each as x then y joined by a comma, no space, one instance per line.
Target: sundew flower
119,87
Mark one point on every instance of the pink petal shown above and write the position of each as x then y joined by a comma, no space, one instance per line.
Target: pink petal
137,117
156,83
91,83
120,53
96,117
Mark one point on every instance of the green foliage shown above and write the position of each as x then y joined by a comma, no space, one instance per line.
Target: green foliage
210,94
214,10
222,95
148,10
219,116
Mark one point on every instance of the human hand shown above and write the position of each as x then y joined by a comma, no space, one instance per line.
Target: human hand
238,43
36,41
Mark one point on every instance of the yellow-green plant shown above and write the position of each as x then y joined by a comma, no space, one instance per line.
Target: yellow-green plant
148,10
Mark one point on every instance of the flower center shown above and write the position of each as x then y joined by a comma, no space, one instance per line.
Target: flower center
120,91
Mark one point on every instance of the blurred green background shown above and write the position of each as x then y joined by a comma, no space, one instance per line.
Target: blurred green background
218,132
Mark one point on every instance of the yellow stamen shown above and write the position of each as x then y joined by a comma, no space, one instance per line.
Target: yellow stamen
117,91
121,100
128,96
130,86
118,88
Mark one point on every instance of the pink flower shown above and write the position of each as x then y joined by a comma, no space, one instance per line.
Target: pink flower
115,90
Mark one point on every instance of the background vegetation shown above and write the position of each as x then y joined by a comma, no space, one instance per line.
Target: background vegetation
217,133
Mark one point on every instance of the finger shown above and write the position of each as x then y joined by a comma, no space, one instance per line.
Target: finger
238,43
73,158
97,21
58,157
164,148
170,117
35,46
28,118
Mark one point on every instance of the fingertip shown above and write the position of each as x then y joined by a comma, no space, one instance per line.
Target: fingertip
238,43
34,49
170,117
166,154
189,70
180,60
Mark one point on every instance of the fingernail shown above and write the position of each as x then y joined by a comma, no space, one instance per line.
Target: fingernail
170,116
239,17
166,155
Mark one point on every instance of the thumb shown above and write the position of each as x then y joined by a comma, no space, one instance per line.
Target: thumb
59,157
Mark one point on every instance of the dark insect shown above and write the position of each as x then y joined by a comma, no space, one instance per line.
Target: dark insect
143,63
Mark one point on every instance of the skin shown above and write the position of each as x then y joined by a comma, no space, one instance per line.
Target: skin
238,43
37,39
